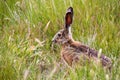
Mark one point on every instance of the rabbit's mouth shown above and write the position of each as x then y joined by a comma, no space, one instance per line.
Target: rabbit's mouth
60,41
56,42
53,44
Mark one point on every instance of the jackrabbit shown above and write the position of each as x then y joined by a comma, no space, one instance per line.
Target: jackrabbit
73,50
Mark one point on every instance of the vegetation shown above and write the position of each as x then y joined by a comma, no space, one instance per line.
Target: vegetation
27,27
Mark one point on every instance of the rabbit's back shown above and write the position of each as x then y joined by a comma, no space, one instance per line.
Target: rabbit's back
75,52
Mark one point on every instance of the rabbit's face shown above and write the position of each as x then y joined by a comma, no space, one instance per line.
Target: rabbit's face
61,37
64,35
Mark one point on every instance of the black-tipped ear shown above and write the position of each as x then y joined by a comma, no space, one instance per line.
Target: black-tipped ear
69,17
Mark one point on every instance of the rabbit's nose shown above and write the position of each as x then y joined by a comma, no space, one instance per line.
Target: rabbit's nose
54,41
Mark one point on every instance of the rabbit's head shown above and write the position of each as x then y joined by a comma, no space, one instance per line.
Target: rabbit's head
64,35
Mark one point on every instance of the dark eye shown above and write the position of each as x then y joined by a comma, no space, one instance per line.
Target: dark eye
59,35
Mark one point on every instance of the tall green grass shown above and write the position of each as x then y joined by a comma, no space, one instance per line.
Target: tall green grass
27,27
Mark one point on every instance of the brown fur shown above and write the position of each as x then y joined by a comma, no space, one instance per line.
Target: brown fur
73,51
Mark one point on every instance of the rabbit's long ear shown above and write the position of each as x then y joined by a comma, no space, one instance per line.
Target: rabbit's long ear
68,17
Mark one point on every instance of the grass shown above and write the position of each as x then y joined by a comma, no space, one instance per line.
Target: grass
27,27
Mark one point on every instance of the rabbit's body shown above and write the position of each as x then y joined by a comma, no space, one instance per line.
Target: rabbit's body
73,51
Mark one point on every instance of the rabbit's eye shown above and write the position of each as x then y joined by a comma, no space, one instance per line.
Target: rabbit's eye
59,35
